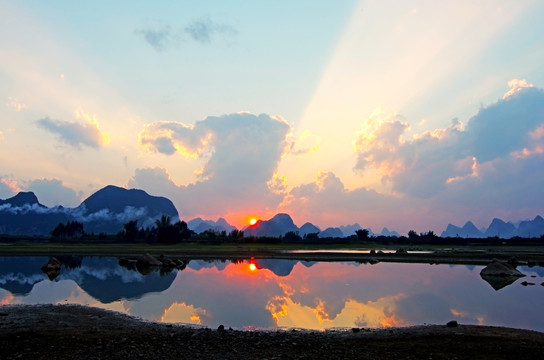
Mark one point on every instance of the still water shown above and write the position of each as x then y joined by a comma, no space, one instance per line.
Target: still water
282,293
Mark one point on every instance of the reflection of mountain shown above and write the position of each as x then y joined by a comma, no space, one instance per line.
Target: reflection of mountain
202,264
19,274
101,278
281,267
106,281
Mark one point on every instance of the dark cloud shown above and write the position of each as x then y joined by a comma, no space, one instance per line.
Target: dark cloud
75,134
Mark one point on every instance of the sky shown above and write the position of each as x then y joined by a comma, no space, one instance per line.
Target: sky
398,114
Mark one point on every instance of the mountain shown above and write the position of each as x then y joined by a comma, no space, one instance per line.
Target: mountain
308,228
21,199
331,232
277,226
501,229
467,231
348,230
198,225
24,215
386,232
531,228
105,211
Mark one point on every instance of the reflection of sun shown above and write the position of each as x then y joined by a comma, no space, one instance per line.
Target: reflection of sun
252,267
252,221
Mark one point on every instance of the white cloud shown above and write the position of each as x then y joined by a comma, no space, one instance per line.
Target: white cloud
516,85
241,153
424,165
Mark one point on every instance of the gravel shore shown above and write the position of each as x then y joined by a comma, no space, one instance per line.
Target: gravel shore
78,332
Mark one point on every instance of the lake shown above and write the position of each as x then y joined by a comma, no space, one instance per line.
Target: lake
270,294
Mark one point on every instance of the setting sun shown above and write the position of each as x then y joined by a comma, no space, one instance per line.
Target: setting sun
252,267
252,221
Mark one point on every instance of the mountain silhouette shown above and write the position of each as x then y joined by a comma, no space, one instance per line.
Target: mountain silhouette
279,225
21,199
105,211
331,232
469,230
199,226
501,229
308,228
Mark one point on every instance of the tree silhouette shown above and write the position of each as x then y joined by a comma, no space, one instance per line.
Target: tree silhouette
362,234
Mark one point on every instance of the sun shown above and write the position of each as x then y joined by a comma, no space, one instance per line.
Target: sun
252,267
252,221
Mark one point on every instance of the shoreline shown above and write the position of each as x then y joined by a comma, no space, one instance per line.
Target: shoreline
76,332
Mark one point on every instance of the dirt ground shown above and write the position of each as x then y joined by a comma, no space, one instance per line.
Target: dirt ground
78,332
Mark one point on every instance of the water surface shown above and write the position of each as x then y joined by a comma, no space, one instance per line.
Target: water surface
282,293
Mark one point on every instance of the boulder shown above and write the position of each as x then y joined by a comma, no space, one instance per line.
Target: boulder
500,274
147,263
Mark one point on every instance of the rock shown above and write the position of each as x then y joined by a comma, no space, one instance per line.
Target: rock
452,323
525,283
147,263
221,328
401,251
373,261
502,269
355,330
500,274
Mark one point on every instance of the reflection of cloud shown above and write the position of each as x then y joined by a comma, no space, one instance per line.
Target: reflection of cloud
76,134
376,314
183,313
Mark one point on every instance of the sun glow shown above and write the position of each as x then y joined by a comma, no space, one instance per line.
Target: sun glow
252,267
252,221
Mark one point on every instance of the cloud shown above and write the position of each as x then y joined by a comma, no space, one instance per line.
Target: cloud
204,30
52,192
76,134
241,154
8,187
15,104
160,40
423,166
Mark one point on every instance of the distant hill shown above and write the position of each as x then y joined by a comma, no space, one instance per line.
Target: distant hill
199,226
349,230
499,228
105,211
331,232
308,228
279,225
469,230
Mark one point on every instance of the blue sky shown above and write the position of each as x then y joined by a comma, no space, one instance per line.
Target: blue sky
405,114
